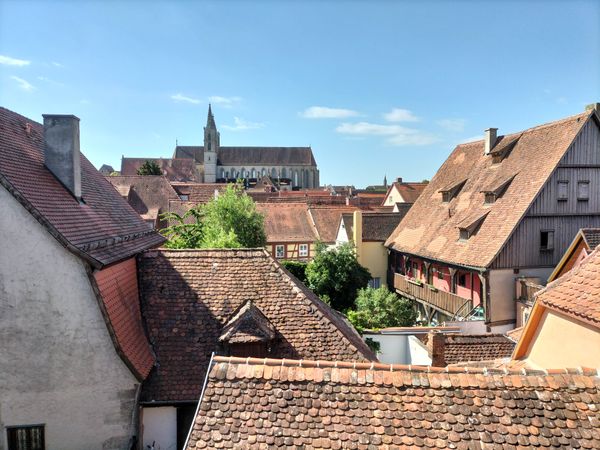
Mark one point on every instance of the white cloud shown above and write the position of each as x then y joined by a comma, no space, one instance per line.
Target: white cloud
182,98
456,125
396,135
243,125
57,64
50,81
24,84
8,61
225,102
323,112
400,115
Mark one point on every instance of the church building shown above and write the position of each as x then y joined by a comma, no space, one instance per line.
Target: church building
213,163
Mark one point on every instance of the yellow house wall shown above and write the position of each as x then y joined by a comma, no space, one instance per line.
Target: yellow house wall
374,257
561,342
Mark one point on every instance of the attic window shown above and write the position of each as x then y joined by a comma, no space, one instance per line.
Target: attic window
184,197
470,226
547,240
451,191
497,191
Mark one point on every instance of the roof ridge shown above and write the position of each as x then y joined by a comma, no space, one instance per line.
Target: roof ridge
374,366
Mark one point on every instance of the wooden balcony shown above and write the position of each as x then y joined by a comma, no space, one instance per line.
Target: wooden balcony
443,301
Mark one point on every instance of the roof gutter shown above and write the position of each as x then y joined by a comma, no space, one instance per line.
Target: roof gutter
210,364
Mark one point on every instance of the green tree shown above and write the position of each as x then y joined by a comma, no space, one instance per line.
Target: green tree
335,275
228,221
149,168
296,268
380,308
231,221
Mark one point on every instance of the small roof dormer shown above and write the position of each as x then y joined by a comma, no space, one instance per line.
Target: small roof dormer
452,190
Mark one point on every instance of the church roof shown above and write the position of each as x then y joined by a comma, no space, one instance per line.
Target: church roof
268,156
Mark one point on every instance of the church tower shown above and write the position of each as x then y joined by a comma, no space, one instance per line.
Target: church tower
211,148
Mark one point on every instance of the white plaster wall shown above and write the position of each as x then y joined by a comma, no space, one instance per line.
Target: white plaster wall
393,347
502,290
58,365
160,426
418,354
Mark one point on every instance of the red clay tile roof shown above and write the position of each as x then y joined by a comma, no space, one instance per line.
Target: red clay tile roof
287,222
430,227
576,293
199,192
188,296
327,220
376,226
515,334
463,348
410,191
174,169
118,290
271,156
256,403
148,195
591,236
103,230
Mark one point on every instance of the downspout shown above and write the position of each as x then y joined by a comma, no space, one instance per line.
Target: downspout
210,364
134,427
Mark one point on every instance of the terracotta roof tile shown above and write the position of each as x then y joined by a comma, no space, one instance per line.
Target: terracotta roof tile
410,191
104,230
180,169
199,193
376,226
463,348
287,222
327,220
577,293
308,404
592,237
430,227
188,297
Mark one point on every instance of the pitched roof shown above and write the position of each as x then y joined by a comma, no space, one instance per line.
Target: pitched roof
270,156
591,236
577,293
189,152
409,191
430,227
287,222
199,193
103,230
256,403
463,348
148,195
188,296
376,226
174,169
327,220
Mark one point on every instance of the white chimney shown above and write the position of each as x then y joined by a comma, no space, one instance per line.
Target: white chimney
61,150
490,139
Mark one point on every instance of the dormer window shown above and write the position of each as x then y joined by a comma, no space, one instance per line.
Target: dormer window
497,190
469,226
504,145
451,191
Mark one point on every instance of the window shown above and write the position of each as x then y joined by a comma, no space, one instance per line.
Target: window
303,250
279,251
27,437
184,197
563,191
583,191
375,283
547,240
462,279
464,234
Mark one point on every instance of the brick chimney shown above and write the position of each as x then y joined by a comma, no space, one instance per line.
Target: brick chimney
490,139
61,150
435,347
399,180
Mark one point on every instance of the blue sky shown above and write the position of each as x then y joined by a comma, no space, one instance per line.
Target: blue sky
374,87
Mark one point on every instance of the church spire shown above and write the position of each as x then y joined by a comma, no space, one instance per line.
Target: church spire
210,120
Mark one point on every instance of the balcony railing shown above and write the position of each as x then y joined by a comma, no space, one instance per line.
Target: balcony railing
447,302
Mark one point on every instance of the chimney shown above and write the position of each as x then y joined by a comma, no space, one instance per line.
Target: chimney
435,348
490,139
399,180
61,150
593,107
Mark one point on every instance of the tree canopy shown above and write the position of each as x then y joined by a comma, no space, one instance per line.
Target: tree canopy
335,275
149,168
228,221
380,308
